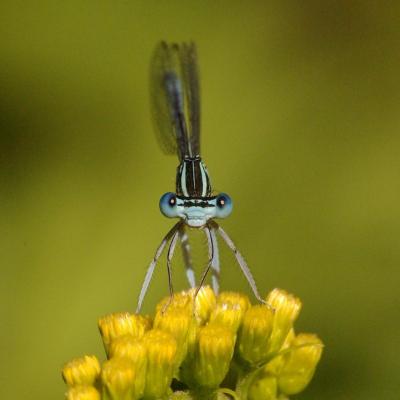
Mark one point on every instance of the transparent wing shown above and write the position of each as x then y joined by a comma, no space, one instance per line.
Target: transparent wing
167,100
192,93
174,95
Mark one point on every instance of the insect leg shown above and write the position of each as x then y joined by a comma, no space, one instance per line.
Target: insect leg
210,258
153,263
187,259
215,265
170,254
242,263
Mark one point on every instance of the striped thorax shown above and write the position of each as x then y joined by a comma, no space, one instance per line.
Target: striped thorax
193,201
192,178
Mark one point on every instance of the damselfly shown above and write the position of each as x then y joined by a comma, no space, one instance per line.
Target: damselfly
176,107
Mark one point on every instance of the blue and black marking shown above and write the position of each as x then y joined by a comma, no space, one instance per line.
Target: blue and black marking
192,178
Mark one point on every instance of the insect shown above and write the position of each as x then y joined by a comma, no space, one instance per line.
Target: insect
175,101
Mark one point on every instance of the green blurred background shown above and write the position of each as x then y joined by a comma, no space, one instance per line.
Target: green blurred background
300,122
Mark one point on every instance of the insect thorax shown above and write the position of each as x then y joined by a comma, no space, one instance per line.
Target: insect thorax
192,178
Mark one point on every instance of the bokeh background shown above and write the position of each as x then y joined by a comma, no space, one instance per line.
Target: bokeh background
300,123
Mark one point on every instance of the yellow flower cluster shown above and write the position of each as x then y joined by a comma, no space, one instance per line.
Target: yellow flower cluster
207,347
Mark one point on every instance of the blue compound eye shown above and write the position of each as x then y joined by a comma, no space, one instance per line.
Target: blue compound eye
168,205
224,205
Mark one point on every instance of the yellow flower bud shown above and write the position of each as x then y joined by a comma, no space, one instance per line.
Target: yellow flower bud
214,351
178,300
254,333
204,302
120,380
180,323
226,315
133,349
119,324
81,371
265,388
300,363
288,340
274,366
207,347
82,393
129,347
229,310
287,308
161,361
240,300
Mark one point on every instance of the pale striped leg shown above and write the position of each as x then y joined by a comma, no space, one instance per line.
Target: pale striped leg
242,263
187,259
215,266
153,263
171,250
210,258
